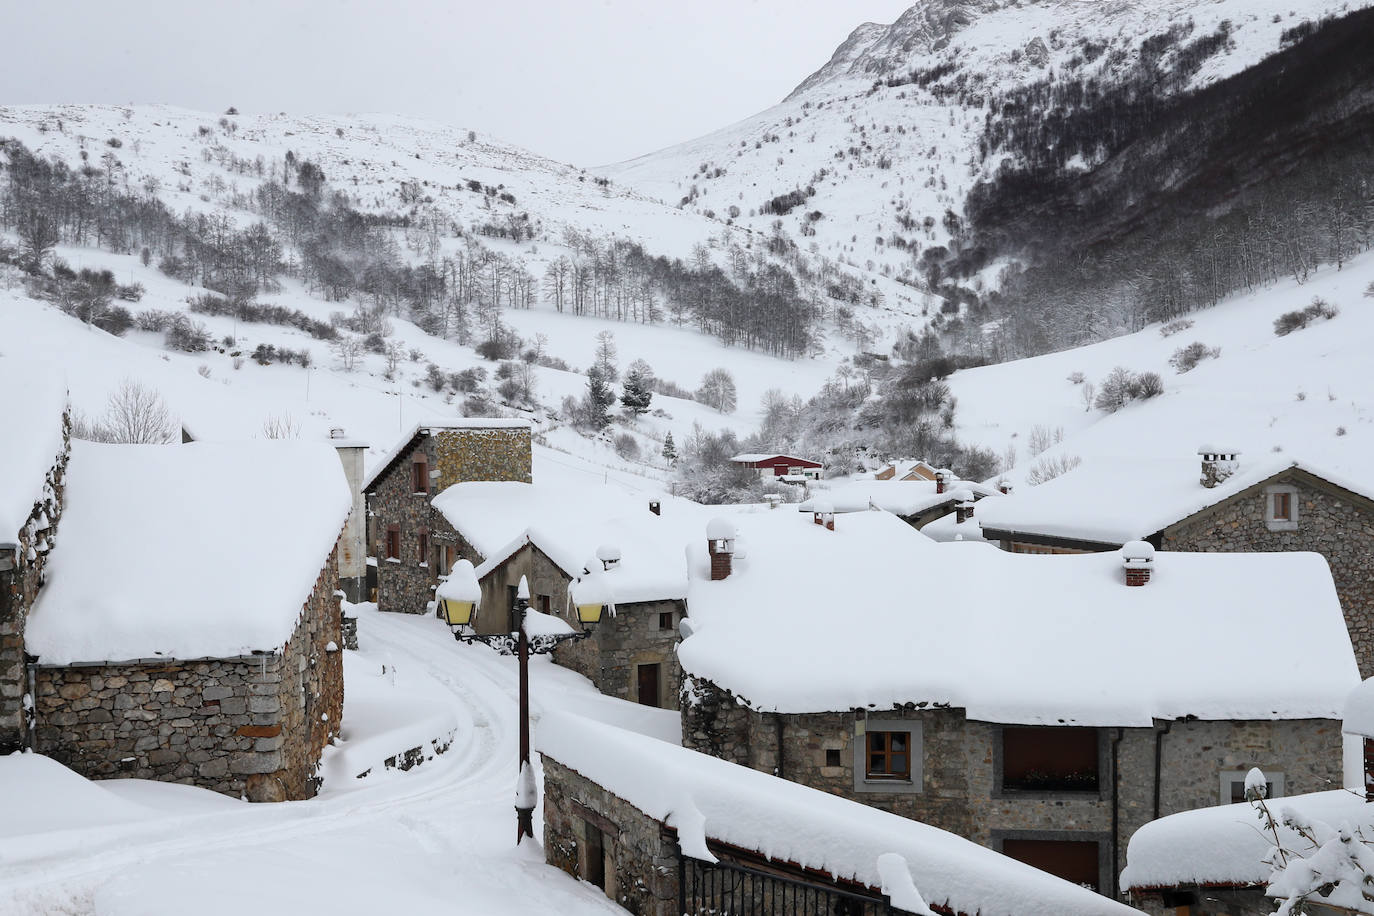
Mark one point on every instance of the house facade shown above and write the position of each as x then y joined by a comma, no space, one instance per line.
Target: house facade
780,465
412,542
1273,507
998,704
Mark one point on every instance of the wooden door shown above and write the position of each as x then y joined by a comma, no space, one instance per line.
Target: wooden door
648,685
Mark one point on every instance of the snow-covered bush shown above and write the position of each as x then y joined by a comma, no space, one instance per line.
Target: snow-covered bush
1186,358
627,447
1173,327
1298,319
1121,386
186,335
1049,468
718,390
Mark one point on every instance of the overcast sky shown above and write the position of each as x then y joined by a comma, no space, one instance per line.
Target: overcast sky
586,81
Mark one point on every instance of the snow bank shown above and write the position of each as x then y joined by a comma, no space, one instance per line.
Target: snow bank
875,614
39,794
34,398
1223,845
704,797
187,551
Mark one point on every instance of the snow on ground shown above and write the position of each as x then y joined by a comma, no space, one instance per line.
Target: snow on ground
436,839
1308,396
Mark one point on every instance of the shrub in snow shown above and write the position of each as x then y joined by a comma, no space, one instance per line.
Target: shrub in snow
1077,378
1049,468
469,380
435,377
1173,327
1186,358
627,447
186,335
1296,320
1121,386
1147,385
153,320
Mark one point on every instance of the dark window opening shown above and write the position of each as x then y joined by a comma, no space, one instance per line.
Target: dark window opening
595,868
419,474
422,546
393,542
1072,860
1238,790
648,685
545,603
832,757
1049,759
1283,507
665,620
889,755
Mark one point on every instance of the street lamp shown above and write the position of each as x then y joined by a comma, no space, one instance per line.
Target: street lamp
520,643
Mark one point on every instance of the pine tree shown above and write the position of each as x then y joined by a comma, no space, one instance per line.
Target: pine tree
669,450
636,393
599,399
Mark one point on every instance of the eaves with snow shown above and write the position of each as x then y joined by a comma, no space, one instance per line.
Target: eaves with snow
876,615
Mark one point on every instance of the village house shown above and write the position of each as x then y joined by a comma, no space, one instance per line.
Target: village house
188,627
412,543
1220,504
1044,707
627,549
664,830
33,461
916,502
906,470
787,466
1214,862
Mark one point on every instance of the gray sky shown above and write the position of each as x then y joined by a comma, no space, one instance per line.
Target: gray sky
586,81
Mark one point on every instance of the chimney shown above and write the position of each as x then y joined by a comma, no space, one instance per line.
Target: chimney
720,544
609,555
963,511
1138,557
941,480
1004,488
336,432
655,507
1217,465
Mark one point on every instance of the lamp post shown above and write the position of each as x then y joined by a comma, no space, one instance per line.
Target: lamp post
518,642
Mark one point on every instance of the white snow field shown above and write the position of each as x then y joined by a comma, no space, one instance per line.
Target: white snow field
439,838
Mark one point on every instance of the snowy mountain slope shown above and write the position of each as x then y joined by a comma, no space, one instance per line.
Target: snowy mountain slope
885,138
1308,395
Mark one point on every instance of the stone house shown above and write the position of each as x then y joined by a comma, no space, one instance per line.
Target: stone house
412,542
33,462
664,830
630,549
1219,506
1043,707
179,638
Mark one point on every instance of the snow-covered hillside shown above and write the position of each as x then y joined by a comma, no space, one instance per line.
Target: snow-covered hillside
881,142
1308,394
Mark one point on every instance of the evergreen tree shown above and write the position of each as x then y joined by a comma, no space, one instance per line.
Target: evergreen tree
669,450
636,393
599,399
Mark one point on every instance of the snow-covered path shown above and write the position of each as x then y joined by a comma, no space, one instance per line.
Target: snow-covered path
439,838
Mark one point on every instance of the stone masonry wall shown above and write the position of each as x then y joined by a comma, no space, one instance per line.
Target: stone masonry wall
252,726
406,583
641,855
611,656
19,585
1339,526
544,577
960,786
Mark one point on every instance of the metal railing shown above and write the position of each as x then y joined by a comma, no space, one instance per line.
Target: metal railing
729,889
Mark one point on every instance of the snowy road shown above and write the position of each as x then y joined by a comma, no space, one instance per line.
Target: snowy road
436,839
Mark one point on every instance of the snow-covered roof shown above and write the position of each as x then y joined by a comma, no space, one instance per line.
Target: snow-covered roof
755,457
187,551
1223,845
900,497
705,798
1010,637
948,529
1112,501
33,407
499,518
432,426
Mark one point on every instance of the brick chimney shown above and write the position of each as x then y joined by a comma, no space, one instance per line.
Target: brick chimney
823,513
720,545
655,507
963,511
1138,557
1004,488
1217,465
941,480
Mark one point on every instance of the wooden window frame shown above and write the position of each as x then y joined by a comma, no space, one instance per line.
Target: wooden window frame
666,617
422,546
419,475
392,544
880,745
1284,495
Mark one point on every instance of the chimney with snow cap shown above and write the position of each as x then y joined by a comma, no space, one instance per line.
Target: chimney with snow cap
609,555
1005,488
963,509
655,507
1138,557
942,478
1217,464
720,544
823,513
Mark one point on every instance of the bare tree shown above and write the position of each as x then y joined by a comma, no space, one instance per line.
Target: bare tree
281,426
348,350
133,415
718,390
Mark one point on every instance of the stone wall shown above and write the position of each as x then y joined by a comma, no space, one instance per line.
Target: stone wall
21,575
406,583
641,855
252,726
959,786
544,576
611,656
1337,524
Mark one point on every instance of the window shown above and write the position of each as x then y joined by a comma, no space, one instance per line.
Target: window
545,603
832,757
1281,508
1073,860
1233,786
447,555
889,755
594,865
393,542
419,474
665,620
422,547
1049,759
